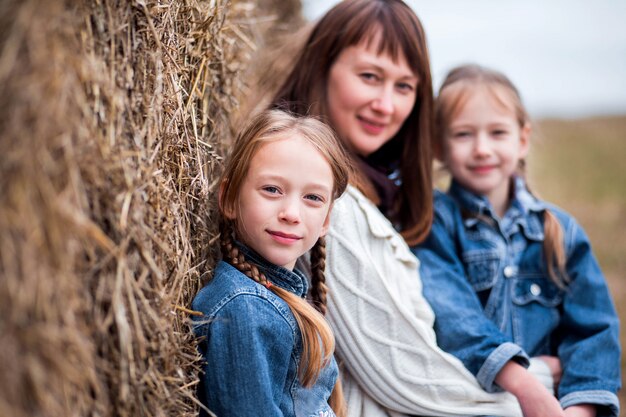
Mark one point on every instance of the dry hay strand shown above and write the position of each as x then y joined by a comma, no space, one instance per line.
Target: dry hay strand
279,32
113,119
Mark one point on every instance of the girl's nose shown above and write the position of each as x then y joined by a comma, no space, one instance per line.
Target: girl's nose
481,145
290,212
383,103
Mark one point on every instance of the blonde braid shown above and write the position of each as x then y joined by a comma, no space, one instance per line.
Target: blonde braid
553,241
319,289
554,250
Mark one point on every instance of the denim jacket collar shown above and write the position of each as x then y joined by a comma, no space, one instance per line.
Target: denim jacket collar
476,204
525,210
292,281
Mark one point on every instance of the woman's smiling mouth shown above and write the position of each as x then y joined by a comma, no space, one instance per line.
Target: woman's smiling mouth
370,126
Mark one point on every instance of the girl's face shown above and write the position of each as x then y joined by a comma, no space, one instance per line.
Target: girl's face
285,200
483,145
369,96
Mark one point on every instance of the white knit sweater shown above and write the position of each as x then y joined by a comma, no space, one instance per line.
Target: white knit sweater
384,326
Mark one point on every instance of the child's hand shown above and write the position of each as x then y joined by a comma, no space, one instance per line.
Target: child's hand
534,398
581,410
554,363
536,401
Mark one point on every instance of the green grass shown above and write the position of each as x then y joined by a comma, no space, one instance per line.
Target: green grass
580,166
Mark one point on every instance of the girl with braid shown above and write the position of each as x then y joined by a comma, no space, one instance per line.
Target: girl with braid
508,275
269,352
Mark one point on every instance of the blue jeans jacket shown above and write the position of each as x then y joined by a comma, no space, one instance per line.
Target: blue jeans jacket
486,280
252,346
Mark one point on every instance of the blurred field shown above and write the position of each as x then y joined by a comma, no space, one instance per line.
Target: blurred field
579,165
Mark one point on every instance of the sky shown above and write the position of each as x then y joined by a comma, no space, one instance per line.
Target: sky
567,57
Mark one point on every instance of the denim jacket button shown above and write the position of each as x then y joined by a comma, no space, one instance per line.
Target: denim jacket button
509,271
535,289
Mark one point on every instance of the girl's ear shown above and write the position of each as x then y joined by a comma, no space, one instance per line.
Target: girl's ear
326,224
525,139
226,208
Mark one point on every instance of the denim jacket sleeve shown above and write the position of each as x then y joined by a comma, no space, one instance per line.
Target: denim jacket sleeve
589,330
383,325
460,324
246,338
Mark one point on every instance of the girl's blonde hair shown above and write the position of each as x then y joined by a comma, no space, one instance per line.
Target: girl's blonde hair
458,86
317,338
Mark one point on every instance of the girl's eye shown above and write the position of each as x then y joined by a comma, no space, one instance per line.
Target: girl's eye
499,132
315,198
463,134
270,189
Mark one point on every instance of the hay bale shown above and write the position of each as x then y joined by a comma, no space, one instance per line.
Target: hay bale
280,46
114,117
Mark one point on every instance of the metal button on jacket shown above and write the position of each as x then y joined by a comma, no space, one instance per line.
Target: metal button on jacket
535,289
509,271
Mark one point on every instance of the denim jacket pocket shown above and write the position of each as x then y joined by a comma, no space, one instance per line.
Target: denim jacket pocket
482,268
540,290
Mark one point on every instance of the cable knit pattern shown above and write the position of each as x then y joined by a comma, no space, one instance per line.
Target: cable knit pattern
384,326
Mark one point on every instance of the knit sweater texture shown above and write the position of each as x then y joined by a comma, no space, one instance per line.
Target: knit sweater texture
384,326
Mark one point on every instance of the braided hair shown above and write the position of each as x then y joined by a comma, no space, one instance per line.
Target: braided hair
318,342
318,278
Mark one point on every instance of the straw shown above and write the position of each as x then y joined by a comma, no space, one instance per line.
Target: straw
114,120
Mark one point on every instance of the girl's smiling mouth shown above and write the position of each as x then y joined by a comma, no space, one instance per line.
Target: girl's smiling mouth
286,238
483,169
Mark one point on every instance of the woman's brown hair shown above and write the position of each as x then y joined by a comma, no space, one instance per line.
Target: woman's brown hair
317,338
349,23
455,90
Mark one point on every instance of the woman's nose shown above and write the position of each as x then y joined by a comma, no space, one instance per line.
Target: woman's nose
383,103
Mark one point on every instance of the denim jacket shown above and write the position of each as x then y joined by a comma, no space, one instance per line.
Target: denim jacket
252,346
486,280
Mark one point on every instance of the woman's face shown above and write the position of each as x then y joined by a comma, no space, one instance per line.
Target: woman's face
369,96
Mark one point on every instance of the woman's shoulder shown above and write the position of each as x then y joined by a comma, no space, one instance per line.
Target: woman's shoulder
359,226
352,197
355,213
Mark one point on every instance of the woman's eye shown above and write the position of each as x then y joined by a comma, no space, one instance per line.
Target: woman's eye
369,76
405,87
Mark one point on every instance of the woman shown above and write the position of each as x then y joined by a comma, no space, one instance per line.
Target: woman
365,70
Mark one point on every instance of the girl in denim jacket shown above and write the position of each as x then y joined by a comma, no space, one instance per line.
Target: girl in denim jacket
269,352
510,276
